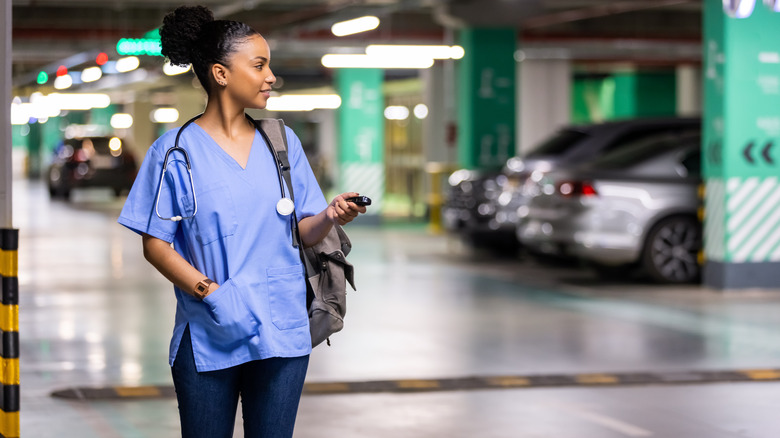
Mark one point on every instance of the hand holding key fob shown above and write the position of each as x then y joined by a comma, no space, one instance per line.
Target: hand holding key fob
361,201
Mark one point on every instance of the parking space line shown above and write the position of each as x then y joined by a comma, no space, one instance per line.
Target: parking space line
611,423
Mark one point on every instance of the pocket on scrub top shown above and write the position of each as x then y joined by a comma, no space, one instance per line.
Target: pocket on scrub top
216,213
232,319
287,297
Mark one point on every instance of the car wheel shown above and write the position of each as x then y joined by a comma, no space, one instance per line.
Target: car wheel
671,251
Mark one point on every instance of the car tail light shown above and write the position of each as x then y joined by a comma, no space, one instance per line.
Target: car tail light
80,156
570,189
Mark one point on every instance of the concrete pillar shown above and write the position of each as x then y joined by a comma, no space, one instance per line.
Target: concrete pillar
435,145
689,90
361,135
544,97
740,154
5,117
486,97
327,145
143,132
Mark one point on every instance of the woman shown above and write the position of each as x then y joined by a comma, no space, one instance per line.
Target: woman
241,322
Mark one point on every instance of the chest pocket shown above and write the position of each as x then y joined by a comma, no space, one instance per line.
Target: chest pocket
216,216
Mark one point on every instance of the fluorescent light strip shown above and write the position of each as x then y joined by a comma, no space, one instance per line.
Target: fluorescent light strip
350,27
173,70
121,121
366,61
417,51
127,64
303,102
91,74
165,115
63,82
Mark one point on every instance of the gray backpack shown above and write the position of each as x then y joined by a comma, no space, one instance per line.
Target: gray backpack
327,268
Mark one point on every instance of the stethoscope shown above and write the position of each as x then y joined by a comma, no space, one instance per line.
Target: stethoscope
285,206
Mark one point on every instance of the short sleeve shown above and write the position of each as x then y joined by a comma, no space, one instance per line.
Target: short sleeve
138,213
309,199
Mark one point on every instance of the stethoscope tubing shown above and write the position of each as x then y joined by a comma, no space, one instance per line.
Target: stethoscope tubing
176,147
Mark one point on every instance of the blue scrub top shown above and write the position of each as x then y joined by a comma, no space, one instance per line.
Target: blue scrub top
237,239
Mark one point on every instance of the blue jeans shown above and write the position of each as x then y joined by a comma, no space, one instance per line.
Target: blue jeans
270,390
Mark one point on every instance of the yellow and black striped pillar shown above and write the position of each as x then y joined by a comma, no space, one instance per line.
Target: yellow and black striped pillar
9,329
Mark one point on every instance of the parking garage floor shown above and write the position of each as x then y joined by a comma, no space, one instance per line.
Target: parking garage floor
439,342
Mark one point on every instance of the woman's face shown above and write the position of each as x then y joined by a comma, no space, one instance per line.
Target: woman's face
249,76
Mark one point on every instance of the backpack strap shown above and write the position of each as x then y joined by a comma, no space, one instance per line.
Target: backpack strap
274,129
273,132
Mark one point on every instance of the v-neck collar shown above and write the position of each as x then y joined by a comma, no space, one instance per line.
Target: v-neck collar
226,156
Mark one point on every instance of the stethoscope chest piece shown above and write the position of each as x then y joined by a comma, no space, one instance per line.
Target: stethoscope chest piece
285,206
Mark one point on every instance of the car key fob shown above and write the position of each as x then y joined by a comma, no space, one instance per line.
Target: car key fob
362,201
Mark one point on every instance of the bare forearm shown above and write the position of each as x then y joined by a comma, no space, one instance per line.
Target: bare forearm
172,265
314,228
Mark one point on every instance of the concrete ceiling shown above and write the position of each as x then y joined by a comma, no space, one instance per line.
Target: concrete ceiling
48,32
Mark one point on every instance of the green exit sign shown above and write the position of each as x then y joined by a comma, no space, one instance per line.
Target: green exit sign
139,46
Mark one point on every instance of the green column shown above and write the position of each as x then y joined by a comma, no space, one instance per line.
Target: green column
740,157
645,94
361,134
34,140
486,97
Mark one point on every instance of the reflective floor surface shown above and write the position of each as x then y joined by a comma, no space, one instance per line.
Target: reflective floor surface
93,313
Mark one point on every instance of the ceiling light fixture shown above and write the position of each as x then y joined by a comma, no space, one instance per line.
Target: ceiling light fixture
91,74
303,102
63,82
419,51
357,25
367,61
165,115
121,121
129,63
173,70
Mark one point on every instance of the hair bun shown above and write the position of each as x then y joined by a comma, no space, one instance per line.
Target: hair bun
180,31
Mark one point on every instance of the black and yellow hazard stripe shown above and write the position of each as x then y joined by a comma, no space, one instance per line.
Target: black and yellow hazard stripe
9,333
460,383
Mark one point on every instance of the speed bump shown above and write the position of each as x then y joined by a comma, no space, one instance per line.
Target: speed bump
462,383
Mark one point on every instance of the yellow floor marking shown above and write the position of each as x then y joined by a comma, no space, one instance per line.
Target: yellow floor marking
601,379
508,381
762,374
140,391
417,384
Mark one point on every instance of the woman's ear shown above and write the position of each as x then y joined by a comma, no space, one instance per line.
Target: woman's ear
220,73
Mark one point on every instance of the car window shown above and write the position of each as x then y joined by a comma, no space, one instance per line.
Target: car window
98,144
557,144
644,149
692,162
640,134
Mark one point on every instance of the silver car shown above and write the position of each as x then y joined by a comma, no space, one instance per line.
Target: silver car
636,206
483,206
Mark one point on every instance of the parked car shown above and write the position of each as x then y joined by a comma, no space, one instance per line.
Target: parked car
636,206
485,207
470,207
91,162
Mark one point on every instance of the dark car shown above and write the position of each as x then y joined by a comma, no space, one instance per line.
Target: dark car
487,207
91,162
636,206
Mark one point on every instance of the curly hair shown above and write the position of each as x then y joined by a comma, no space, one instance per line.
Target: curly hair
190,35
